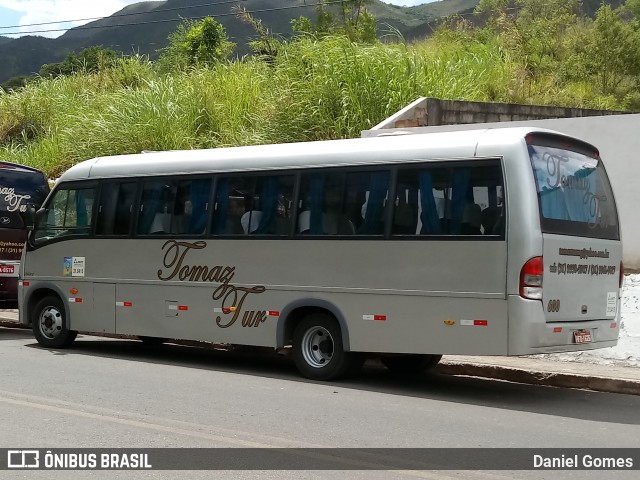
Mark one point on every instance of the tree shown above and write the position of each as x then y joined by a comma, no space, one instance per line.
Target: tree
499,15
615,49
15,83
266,45
352,19
634,7
202,43
90,60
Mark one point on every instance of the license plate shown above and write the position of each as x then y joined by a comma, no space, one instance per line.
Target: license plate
7,269
582,336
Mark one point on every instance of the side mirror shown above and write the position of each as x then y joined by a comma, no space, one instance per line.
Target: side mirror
30,217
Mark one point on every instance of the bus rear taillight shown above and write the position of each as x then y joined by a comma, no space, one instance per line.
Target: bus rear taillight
621,279
531,279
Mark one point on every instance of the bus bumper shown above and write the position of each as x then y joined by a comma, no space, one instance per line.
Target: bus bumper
530,333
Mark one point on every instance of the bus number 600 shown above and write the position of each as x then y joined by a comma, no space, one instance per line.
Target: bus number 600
553,306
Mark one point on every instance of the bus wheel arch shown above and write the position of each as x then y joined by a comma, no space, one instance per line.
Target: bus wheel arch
296,311
318,344
50,320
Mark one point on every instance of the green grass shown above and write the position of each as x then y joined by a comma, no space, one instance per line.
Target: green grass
315,89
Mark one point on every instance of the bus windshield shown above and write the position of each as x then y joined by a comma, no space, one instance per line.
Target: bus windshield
574,194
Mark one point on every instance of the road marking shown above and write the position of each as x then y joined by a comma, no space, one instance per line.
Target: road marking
190,430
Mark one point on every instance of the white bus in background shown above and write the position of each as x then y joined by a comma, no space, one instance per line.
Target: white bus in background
490,242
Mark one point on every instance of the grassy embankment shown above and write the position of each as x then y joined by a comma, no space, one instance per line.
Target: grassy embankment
315,90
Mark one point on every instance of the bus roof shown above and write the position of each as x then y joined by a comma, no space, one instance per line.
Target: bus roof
349,152
16,167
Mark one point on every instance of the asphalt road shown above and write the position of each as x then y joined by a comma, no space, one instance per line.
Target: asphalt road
118,394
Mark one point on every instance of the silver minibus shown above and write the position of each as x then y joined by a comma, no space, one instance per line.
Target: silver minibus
499,241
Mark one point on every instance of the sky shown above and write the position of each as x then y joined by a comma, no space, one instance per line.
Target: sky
16,15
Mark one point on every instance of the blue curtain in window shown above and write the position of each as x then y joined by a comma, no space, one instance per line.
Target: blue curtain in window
82,217
151,202
222,206
373,221
579,197
199,198
316,204
552,198
269,200
429,214
461,195
552,203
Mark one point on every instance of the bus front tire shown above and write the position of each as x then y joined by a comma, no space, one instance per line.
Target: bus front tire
50,324
318,351
409,363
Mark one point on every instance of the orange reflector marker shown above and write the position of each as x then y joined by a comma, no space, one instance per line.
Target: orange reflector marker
480,323
449,321
73,291
557,330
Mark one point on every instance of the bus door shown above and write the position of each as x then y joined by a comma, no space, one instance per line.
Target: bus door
104,308
91,304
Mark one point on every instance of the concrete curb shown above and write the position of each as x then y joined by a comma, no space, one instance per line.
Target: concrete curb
9,324
545,378
500,372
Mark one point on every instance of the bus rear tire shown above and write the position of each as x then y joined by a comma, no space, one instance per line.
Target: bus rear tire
409,363
50,324
318,351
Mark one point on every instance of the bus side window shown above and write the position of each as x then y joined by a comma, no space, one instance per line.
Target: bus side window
421,201
233,202
156,206
273,196
248,205
322,209
196,205
339,203
69,212
175,207
372,188
115,210
461,200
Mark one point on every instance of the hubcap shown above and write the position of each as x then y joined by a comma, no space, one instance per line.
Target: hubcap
317,347
50,322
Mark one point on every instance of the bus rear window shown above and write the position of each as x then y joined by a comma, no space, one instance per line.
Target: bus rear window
20,187
574,194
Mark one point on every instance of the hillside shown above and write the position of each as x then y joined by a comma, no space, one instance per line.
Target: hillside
144,27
